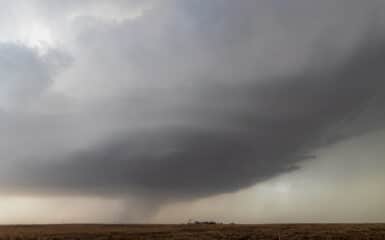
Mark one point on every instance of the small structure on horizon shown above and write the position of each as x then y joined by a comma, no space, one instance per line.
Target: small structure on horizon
190,221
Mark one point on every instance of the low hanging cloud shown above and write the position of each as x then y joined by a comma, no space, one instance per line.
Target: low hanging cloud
242,145
203,98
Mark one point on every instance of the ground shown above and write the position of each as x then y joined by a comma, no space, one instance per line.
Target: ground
192,231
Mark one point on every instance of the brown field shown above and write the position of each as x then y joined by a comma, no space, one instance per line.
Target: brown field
203,231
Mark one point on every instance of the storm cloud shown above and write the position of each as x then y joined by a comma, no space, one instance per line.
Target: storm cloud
25,74
191,98
265,130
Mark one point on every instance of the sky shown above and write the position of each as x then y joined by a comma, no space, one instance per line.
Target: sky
161,111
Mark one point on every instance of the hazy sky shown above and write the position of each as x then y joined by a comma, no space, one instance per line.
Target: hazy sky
245,111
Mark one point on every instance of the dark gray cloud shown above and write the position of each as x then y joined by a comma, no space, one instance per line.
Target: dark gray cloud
206,98
265,130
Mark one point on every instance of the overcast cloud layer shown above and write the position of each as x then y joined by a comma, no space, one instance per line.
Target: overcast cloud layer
176,100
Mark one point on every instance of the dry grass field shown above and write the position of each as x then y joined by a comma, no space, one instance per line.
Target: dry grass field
202,231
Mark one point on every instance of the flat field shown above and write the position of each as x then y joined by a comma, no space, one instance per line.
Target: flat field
191,231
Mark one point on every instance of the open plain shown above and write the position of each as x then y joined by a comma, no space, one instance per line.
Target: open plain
195,231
